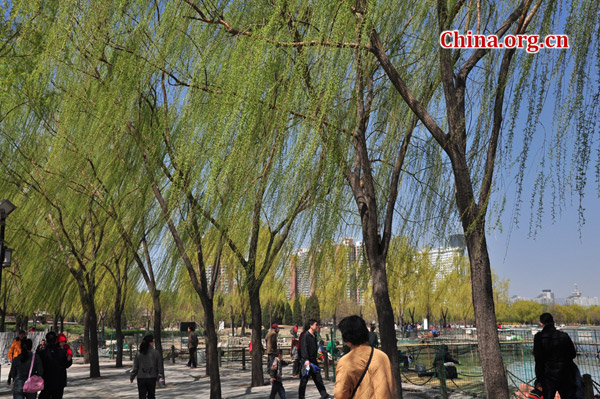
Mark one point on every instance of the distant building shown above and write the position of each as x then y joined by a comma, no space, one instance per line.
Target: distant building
300,274
223,284
443,258
546,297
576,298
517,298
302,277
356,258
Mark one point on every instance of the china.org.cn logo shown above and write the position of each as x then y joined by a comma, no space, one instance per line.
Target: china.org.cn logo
531,43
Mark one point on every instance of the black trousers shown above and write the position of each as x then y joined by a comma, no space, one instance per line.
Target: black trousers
277,388
318,382
55,394
146,388
566,389
192,362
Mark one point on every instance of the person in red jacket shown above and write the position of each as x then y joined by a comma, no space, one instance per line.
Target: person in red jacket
62,341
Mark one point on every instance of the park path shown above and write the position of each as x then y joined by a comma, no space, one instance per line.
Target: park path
183,382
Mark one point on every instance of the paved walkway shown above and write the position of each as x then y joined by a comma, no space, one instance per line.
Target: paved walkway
183,382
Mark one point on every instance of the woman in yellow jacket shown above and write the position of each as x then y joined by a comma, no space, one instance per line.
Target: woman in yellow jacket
365,372
15,348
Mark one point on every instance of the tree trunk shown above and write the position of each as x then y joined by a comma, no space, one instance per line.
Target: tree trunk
257,349
385,315
93,345
157,321
55,322
86,338
119,336
483,303
90,338
212,354
118,320
473,222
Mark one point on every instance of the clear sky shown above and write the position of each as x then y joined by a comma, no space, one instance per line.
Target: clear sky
555,259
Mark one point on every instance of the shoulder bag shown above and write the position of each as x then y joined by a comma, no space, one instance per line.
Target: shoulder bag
363,374
34,383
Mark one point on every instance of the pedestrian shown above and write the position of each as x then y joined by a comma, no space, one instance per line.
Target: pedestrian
271,342
62,342
148,368
308,360
276,379
365,372
22,367
192,347
554,352
332,349
15,347
55,363
41,346
373,340
443,359
295,355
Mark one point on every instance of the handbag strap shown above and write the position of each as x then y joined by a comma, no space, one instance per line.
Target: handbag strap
31,367
363,374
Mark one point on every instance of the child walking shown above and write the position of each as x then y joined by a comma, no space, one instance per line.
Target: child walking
275,372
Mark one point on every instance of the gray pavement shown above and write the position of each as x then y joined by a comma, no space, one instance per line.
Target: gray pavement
183,382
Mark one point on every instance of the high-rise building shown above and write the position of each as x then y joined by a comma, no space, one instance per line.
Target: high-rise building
443,258
576,298
546,297
302,277
356,258
223,284
300,274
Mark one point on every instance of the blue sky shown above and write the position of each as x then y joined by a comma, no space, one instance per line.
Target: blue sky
555,259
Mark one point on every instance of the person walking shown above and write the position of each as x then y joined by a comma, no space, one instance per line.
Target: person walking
271,342
373,340
192,347
15,347
55,363
554,352
148,368
21,367
365,372
275,372
308,361
294,354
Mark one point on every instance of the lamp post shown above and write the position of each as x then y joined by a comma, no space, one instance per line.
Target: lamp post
6,207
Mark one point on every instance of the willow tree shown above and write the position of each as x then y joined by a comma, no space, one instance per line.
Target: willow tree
472,149
320,52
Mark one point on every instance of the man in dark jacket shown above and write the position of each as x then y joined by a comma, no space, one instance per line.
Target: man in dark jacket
271,341
554,353
373,340
192,347
308,359
55,363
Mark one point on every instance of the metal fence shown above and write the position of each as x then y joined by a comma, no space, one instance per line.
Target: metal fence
517,352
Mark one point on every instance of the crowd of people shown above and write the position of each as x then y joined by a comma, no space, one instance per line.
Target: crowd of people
49,362
363,372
